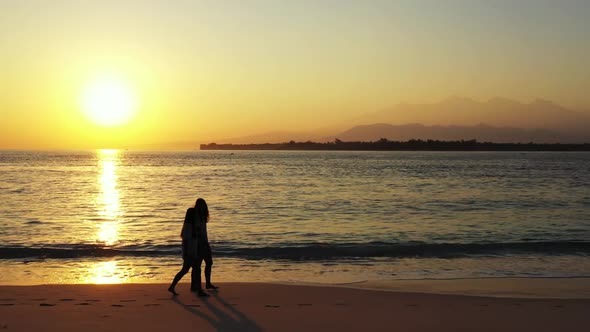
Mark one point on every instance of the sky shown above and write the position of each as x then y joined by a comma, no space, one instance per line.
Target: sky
201,70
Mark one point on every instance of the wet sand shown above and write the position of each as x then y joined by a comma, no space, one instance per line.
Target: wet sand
557,288
275,307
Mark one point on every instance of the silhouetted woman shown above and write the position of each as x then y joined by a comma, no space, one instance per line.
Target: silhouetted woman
189,253
204,248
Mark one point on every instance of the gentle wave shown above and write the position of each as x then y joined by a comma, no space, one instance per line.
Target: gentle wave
318,251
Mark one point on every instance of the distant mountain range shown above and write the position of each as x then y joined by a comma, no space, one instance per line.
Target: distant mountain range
482,133
496,120
497,112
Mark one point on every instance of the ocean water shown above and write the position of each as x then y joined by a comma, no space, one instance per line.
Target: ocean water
303,216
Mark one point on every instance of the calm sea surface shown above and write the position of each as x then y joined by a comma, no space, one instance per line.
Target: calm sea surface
335,217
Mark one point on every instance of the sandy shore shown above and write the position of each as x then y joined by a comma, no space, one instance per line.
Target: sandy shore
273,307
542,288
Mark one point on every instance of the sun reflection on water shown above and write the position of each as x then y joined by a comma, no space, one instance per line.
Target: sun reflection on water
109,211
105,273
108,199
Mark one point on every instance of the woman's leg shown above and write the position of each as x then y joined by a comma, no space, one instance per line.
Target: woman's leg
208,265
196,278
185,267
196,275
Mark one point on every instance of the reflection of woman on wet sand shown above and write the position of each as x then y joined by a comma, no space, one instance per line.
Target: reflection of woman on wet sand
190,252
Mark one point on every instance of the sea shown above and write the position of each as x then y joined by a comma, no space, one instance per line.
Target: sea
345,217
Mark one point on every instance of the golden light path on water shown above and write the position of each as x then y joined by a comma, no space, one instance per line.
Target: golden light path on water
106,272
108,199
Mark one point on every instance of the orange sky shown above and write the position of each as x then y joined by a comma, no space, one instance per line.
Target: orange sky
204,70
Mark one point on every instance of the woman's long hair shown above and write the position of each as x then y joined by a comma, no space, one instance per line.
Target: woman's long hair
202,209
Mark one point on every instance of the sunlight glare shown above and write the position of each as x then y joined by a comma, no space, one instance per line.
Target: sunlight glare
106,273
109,197
109,101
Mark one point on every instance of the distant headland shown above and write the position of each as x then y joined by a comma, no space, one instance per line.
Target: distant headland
410,145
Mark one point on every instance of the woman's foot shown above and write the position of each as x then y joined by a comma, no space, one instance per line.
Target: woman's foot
201,293
171,290
211,286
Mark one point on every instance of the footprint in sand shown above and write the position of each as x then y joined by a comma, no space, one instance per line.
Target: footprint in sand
272,306
127,301
7,304
117,305
304,304
92,300
151,305
193,305
66,300
83,303
411,305
46,305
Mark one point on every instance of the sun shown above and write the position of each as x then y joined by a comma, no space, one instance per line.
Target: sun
109,101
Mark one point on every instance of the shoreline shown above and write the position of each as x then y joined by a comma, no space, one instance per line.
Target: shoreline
495,287
156,270
415,145
276,307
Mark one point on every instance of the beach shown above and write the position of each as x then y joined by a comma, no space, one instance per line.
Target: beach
329,165
436,242
281,307
297,216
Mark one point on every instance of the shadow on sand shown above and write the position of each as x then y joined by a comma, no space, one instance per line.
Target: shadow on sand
229,319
